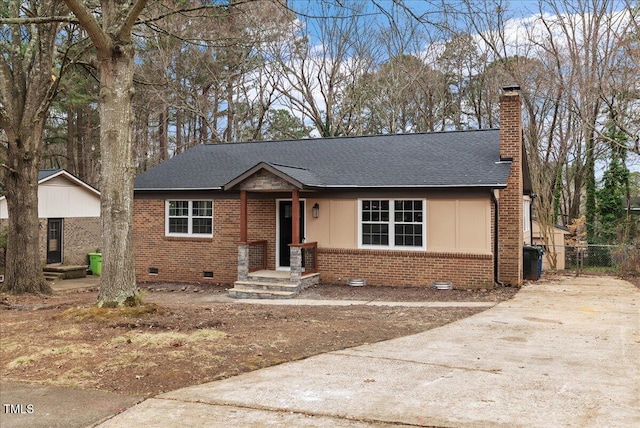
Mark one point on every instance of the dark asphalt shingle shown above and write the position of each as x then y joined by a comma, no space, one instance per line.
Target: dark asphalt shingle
441,159
44,173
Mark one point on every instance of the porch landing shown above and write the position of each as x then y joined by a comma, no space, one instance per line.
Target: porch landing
56,271
271,284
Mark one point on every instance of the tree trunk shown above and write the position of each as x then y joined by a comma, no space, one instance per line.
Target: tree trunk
72,140
590,182
26,91
178,131
81,144
115,52
23,270
163,130
118,283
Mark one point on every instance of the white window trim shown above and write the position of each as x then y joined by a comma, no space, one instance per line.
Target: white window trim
526,211
190,217
392,245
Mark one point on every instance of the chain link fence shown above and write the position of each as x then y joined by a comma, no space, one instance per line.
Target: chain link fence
623,260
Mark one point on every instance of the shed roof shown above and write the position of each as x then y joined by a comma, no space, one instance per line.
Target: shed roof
45,175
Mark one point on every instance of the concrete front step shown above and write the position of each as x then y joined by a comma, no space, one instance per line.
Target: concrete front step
53,276
253,293
253,289
277,277
65,271
267,284
262,285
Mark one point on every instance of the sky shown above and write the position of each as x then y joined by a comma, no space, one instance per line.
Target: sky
523,14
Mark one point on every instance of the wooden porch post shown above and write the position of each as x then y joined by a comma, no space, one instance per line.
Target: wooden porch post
243,216
295,214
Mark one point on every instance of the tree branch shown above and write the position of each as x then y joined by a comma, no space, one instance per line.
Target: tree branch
90,25
7,93
125,29
179,12
38,20
8,168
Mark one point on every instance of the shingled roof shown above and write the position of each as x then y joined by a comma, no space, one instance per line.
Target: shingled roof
46,173
430,160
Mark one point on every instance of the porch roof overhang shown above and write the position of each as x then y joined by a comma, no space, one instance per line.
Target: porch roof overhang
289,178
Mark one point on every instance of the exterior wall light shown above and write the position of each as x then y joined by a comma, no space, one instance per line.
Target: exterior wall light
315,210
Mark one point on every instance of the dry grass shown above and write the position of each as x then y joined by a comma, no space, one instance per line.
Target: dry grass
66,352
167,339
94,313
180,339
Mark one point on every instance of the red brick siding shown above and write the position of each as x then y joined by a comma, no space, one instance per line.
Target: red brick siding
406,268
185,259
81,235
42,239
510,239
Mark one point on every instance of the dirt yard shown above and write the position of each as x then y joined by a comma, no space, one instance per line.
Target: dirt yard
187,335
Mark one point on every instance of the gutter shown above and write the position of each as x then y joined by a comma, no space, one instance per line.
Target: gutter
422,186
154,189
341,186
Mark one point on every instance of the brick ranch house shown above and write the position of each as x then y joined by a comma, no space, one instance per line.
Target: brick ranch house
401,210
69,217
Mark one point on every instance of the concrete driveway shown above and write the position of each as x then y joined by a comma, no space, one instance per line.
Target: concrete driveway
558,354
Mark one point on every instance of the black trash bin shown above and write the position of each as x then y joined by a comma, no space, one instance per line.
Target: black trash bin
532,261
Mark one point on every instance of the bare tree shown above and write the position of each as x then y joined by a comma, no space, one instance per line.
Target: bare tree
28,83
317,77
112,39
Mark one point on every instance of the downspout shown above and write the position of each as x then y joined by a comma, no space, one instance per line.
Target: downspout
495,238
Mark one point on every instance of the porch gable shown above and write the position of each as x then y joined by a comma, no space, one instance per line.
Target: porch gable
267,176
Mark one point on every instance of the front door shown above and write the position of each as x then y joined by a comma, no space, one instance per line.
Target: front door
54,240
285,223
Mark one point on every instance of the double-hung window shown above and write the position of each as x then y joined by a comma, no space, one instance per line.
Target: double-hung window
189,218
392,223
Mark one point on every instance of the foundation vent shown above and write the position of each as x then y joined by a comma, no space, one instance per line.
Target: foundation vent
442,285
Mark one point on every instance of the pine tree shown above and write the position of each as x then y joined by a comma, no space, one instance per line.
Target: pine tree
611,197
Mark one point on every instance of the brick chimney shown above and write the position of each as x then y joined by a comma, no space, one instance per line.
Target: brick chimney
510,203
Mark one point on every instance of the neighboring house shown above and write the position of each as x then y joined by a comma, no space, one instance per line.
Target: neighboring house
69,213
634,206
406,209
558,246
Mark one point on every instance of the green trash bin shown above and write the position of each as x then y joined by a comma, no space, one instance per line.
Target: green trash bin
95,263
